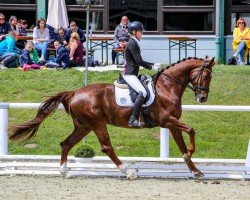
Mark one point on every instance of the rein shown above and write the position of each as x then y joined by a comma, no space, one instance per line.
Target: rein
183,84
198,75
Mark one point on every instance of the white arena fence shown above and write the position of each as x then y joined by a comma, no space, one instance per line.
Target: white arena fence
164,133
145,167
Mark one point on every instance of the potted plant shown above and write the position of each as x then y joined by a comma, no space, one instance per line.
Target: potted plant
84,153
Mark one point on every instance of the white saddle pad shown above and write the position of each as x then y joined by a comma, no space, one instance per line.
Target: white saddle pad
123,98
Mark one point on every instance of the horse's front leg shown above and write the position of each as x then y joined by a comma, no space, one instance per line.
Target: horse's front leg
176,127
76,136
104,139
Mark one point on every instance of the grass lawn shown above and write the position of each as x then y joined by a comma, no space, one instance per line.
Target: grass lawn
219,134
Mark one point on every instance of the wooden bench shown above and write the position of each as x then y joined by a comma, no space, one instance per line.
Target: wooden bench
119,53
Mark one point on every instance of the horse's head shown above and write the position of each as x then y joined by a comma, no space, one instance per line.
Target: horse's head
200,79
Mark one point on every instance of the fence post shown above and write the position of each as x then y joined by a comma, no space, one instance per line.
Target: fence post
248,156
3,128
164,148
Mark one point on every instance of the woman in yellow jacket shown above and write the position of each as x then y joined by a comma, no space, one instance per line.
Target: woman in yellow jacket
241,41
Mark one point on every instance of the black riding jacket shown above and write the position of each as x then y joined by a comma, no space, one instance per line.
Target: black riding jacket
133,58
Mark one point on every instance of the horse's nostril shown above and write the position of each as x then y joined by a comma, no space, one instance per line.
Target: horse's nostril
203,99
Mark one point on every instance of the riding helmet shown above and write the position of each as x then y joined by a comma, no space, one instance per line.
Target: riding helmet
135,26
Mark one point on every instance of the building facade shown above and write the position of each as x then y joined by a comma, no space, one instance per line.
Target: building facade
161,18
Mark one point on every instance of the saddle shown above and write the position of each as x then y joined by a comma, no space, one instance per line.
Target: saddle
125,95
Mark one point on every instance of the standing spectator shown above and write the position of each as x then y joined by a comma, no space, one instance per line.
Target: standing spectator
41,38
241,42
62,57
4,27
28,56
76,50
13,23
8,56
74,28
121,36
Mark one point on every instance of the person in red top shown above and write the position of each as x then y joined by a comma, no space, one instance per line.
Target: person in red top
76,50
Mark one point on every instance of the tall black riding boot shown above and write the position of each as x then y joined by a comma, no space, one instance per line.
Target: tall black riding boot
133,121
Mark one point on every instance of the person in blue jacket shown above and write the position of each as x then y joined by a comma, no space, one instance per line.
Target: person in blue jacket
8,54
74,28
62,59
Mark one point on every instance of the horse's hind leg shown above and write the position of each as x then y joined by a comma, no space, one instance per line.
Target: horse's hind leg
104,139
77,135
177,135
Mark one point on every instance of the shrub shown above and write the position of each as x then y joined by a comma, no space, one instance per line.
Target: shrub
84,151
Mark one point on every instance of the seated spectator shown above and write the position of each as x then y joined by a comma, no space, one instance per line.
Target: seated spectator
22,27
13,23
241,42
61,36
76,50
52,34
74,28
8,56
4,27
121,36
41,38
29,57
62,57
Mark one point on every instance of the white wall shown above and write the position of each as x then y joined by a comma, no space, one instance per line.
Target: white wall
155,48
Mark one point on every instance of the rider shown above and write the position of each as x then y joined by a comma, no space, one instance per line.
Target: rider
133,62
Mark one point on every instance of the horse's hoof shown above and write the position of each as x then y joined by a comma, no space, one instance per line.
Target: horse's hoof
123,169
198,174
131,174
63,169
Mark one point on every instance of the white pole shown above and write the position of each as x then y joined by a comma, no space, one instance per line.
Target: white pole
248,156
87,46
164,148
3,128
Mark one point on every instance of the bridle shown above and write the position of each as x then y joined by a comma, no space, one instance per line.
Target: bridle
198,76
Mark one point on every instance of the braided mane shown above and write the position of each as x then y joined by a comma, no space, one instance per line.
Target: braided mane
156,76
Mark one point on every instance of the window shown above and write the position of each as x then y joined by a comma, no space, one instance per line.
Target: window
193,21
234,10
192,16
96,19
241,2
73,2
19,1
144,11
187,2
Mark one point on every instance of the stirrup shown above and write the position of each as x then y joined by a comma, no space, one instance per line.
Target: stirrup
135,123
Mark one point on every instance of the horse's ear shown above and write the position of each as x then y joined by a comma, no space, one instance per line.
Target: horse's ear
211,62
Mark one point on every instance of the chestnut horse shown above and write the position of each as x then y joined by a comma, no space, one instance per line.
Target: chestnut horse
93,107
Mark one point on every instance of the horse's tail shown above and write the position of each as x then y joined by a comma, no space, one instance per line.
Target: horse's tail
27,130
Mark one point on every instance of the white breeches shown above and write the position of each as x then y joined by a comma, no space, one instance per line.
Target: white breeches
134,82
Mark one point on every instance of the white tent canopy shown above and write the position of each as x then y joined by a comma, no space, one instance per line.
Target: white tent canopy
57,14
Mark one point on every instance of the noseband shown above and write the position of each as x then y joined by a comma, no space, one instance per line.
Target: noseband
196,89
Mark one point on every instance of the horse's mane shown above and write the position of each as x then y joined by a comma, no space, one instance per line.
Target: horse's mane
157,75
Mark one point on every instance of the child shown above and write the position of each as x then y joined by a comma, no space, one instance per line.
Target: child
61,35
28,56
62,57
